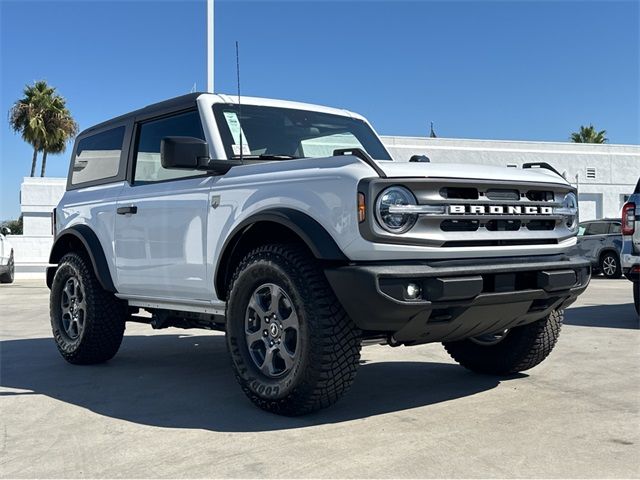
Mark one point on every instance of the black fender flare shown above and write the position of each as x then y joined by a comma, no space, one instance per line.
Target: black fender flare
91,244
314,235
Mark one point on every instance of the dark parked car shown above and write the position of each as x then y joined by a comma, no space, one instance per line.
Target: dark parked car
601,242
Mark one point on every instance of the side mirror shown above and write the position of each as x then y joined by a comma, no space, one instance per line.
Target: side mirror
6,231
183,152
420,158
191,153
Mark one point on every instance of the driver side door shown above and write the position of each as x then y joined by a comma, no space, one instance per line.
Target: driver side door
161,220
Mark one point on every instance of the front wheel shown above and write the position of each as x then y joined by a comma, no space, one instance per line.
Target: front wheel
610,265
294,350
87,321
510,351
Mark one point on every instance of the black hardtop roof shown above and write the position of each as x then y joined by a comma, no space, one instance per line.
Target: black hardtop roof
186,101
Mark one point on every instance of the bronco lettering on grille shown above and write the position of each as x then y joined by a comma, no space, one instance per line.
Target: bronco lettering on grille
500,210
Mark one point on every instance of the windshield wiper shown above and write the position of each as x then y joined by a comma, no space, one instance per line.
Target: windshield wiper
265,156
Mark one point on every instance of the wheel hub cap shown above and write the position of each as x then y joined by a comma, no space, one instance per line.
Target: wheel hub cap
73,307
271,330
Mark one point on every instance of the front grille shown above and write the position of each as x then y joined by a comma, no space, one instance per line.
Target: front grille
459,213
484,213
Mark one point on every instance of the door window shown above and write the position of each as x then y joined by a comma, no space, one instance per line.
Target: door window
148,168
615,228
597,228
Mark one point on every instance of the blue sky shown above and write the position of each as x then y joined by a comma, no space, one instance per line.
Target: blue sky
522,70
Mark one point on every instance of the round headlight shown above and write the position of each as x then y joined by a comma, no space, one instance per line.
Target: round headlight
570,207
393,219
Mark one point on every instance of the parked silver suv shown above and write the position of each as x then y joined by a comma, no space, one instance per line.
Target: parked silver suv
601,241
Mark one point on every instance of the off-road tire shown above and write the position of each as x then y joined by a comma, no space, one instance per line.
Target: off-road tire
9,275
104,322
615,259
636,296
329,340
521,349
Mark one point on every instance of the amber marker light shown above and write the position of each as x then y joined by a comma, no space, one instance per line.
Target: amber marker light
361,208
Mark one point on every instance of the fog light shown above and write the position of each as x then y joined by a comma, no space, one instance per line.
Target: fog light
413,291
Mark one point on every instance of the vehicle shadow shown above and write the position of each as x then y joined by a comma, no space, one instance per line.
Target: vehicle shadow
186,382
609,316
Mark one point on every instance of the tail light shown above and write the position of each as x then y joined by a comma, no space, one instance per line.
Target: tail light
628,218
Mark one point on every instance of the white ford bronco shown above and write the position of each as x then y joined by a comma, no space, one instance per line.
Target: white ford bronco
289,227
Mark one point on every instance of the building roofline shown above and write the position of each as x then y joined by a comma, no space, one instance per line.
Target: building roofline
488,140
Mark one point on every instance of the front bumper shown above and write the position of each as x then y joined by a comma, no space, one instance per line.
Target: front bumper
460,298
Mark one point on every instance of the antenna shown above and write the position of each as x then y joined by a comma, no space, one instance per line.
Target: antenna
239,102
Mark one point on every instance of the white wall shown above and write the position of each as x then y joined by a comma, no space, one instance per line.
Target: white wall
38,197
617,167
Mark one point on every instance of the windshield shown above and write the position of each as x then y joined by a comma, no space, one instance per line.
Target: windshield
282,133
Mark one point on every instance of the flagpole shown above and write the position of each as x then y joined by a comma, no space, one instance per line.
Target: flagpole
210,46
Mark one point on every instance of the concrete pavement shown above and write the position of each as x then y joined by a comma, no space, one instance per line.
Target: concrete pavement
168,406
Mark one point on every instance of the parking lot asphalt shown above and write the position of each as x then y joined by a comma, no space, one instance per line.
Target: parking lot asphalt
168,406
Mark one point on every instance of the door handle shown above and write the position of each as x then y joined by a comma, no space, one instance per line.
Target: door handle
132,209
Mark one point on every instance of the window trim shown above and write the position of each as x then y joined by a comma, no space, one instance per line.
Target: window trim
122,165
137,123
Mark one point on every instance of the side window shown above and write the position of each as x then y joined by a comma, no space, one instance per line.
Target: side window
597,228
97,156
615,228
148,168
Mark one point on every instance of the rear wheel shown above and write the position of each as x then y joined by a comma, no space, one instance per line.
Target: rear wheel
9,275
87,321
610,265
509,351
294,350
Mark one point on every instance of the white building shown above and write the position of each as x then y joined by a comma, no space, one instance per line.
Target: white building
38,197
604,174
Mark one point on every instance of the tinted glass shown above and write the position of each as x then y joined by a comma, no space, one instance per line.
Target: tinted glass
147,157
615,228
98,156
597,228
291,132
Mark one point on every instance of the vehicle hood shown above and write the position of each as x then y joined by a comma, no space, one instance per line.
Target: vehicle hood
469,171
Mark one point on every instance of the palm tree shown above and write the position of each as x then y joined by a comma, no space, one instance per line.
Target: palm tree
589,135
43,121
60,128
